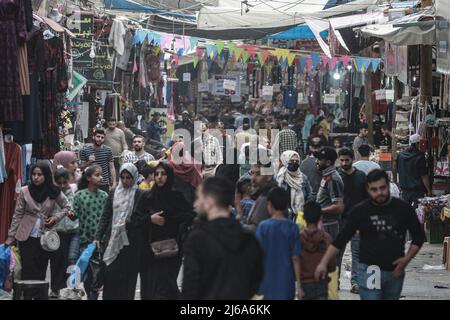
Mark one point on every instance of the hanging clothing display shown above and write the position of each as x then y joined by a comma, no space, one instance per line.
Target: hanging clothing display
30,129
12,31
53,87
11,187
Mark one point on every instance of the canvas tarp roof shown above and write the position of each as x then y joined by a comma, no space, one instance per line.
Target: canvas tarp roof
224,18
408,35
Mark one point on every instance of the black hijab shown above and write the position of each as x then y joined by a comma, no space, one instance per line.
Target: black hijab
46,189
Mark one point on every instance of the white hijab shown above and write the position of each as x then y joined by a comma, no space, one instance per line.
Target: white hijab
123,205
293,180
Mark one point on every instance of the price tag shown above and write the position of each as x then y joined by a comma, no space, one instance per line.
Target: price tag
229,84
203,87
390,95
267,91
380,94
186,77
329,98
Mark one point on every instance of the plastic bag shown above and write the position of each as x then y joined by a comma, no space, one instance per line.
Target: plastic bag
83,260
300,221
333,293
15,254
95,272
5,256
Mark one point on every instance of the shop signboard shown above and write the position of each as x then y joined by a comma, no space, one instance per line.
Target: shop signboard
267,91
97,70
186,77
203,87
443,45
380,94
231,87
329,98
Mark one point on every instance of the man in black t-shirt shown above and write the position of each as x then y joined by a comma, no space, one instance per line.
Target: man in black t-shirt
382,223
354,193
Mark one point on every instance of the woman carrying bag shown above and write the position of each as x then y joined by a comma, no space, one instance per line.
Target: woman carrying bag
121,228
168,215
290,178
34,216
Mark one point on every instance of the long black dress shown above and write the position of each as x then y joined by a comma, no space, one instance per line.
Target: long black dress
121,275
159,276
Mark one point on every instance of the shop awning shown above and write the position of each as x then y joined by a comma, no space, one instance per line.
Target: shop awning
265,16
405,31
301,32
130,5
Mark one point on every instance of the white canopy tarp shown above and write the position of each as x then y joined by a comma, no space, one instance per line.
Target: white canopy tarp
358,20
269,14
408,35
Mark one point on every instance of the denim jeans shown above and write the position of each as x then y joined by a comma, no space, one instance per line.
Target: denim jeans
355,258
315,290
390,287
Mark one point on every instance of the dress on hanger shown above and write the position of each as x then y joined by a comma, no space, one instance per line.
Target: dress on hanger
12,31
53,87
10,188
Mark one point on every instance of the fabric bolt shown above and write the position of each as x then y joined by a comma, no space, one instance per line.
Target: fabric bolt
12,32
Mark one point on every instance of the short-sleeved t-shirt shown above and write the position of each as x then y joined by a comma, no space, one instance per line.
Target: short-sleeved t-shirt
88,207
103,156
280,241
331,190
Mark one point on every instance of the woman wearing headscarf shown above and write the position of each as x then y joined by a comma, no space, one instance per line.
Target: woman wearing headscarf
119,236
187,173
169,215
290,178
68,160
33,214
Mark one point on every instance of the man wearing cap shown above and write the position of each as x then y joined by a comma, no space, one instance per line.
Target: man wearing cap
309,167
331,194
185,123
413,173
154,130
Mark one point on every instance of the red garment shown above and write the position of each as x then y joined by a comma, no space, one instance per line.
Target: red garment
11,187
184,167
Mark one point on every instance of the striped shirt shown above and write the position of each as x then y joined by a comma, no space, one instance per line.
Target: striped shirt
103,157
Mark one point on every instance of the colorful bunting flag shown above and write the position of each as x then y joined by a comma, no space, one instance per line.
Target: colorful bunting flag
195,61
245,56
375,64
219,46
315,58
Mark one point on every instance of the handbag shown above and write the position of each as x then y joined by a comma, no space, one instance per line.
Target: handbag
165,248
49,239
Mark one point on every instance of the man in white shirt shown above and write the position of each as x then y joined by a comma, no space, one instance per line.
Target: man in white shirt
139,152
365,164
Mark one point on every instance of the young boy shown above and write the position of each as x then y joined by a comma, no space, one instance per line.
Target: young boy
314,243
148,172
243,190
280,240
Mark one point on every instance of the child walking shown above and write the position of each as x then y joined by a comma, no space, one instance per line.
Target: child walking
314,243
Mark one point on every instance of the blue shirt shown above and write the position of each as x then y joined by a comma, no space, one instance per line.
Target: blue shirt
280,241
154,131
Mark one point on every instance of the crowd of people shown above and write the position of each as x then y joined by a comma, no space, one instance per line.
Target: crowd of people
213,211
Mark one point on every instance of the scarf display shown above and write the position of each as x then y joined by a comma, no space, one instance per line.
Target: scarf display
123,205
293,179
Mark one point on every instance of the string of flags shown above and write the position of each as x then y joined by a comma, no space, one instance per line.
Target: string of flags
214,50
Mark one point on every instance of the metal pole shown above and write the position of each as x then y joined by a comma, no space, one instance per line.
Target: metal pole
394,130
368,101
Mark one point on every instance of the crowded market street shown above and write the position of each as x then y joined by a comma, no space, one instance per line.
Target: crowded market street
223,150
